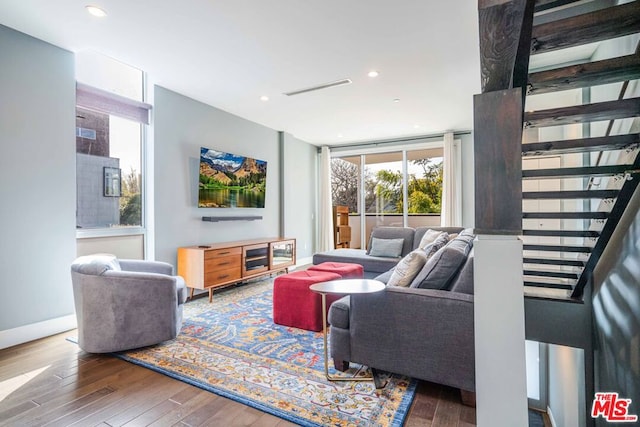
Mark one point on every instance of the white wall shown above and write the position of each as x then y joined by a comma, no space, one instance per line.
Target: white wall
181,126
300,161
468,185
567,386
37,175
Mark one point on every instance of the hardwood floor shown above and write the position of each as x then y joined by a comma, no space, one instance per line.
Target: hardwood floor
51,382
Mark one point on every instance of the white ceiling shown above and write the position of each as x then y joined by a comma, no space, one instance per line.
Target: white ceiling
228,53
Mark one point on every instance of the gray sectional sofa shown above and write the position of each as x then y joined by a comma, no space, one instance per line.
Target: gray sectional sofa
424,331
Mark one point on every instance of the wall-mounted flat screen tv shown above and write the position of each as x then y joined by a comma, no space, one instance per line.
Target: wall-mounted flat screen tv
231,181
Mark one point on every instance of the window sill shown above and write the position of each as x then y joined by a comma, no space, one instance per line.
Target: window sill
87,233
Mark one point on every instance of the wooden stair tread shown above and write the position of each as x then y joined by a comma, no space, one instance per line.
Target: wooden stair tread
547,294
557,248
581,145
554,261
571,194
609,110
575,172
566,215
542,5
547,273
587,28
561,233
585,75
548,285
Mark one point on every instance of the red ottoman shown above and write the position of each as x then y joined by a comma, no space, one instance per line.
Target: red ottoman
344,269
295,305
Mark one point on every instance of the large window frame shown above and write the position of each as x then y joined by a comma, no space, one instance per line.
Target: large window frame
363,151
105,102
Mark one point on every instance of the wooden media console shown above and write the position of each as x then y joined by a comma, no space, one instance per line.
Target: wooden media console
220,264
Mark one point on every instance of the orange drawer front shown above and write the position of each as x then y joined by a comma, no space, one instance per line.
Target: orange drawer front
217,253
222,263
221,276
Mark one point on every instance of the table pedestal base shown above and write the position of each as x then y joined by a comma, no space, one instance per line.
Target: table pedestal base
373,377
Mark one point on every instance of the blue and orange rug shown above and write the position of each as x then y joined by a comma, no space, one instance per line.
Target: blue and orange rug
232,348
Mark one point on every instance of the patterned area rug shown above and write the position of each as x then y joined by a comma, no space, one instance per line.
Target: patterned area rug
232,348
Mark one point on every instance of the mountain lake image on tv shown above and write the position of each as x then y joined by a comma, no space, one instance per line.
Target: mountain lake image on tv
231,181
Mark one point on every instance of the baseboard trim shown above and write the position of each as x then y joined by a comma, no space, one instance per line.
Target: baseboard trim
303,261
34,331
550,414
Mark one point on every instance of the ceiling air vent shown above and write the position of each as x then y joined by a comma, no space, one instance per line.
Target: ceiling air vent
319,87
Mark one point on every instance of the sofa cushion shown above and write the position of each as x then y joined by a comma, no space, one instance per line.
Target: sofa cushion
429,237
384,277
181,288
96,264
407,268
443,266
339,313
436,245
463,283
420,232
405,233
386,248
370,263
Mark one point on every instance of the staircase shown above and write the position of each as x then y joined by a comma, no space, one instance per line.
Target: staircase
581,182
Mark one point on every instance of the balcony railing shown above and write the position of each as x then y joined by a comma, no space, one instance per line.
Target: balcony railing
373,220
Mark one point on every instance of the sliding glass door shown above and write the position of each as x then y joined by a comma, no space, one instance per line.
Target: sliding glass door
424,183
401,188
383,191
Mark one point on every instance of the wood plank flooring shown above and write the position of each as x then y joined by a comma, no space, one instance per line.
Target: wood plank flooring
52,382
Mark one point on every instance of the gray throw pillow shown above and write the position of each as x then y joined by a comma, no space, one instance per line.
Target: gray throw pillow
429,237
464,282
407,268
96,264
443,266
436,245
387,248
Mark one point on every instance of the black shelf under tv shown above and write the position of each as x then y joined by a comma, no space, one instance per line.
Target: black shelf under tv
231,218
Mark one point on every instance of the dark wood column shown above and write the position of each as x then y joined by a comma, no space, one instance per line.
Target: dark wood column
498,162
505,42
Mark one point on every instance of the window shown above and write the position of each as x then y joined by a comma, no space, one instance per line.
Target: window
345,182
424,187
385,183
109,143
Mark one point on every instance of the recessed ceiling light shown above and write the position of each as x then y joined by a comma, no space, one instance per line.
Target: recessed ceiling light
396,100
373,73
339,135
96,11
264,98
416,126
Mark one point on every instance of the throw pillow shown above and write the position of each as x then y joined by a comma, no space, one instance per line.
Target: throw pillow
429,237
387,248
443,266
407,268
436,245
96,264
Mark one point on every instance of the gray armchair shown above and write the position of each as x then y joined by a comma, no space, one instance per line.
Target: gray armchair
125,304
